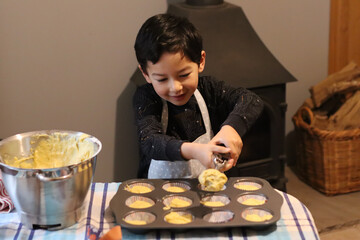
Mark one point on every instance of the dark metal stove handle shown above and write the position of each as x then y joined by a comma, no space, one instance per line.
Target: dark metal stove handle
283,107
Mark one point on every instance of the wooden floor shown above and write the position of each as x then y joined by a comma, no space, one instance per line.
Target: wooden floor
336,217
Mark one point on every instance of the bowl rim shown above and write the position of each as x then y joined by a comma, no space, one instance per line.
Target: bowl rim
48,132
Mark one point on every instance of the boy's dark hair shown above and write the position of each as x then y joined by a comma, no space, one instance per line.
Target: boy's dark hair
167,33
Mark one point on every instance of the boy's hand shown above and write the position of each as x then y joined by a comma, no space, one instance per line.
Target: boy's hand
202,152
229,137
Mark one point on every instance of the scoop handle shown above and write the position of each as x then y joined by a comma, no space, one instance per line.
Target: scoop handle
43,178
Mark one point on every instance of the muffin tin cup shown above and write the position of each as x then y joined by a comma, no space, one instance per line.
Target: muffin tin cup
170,202
252,199
130,201
219,216
215,200
139,187
232,214
176,186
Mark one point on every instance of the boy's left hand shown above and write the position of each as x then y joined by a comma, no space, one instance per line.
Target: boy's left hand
229,137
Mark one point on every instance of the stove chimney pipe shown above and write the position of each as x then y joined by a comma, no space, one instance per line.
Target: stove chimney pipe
204,2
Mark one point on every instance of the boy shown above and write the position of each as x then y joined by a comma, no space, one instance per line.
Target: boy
177,111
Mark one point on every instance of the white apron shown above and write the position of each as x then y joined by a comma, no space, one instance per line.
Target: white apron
182,169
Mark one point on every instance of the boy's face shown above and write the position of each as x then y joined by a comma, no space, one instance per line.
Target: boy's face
174,77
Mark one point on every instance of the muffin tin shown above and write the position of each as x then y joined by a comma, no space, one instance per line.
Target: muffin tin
232,213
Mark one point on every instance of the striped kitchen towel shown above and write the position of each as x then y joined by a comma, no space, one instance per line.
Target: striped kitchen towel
96,219
6,205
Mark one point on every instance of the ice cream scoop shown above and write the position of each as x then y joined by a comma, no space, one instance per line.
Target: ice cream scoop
220,160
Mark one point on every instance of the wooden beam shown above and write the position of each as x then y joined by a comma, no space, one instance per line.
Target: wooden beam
344,39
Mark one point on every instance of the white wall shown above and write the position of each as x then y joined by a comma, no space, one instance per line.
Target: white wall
67,65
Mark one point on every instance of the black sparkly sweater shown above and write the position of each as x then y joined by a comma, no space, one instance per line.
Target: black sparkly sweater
237,107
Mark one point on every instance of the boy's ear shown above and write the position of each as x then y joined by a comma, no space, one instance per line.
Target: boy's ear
146,76
202,61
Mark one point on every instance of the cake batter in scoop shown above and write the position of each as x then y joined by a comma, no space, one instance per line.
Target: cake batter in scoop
212,180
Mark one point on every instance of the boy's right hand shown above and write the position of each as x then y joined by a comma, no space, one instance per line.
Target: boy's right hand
203,153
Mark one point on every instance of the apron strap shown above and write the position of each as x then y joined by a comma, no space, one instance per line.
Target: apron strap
204,112
164,116
203,109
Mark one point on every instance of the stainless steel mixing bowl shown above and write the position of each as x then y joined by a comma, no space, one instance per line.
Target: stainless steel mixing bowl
46,198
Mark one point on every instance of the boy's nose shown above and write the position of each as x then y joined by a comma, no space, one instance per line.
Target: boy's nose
175,86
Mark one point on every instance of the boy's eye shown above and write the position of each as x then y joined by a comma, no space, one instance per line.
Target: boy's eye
185,75
161,80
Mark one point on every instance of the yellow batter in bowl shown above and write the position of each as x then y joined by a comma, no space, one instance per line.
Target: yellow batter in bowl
54,151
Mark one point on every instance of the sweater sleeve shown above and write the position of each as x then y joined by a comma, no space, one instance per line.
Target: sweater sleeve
153,142
237,107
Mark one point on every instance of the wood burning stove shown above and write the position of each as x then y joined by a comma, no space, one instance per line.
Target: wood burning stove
236,55
263,154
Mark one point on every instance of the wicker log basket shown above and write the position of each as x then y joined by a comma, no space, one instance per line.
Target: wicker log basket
329,161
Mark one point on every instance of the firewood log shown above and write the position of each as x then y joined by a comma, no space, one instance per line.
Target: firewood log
348,79
347,116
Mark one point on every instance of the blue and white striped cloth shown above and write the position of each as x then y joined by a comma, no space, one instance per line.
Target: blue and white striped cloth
296,223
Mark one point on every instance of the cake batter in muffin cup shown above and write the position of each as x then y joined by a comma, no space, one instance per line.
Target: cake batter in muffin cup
139,202
139,218
176,187
139,187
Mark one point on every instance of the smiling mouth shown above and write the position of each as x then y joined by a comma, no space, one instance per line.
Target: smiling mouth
179,96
